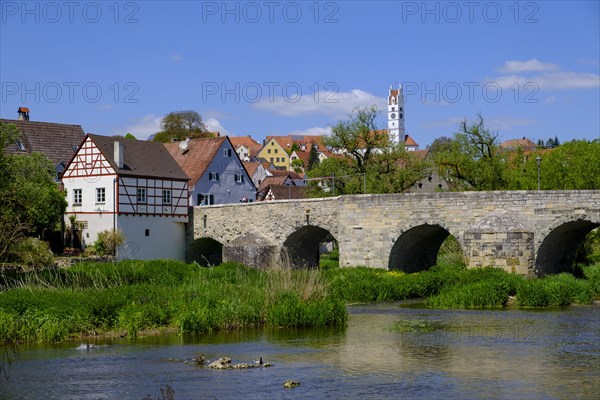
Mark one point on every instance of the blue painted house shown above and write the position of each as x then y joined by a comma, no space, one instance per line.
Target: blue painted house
217,176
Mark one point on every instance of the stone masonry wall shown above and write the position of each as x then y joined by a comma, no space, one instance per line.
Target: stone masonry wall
368,226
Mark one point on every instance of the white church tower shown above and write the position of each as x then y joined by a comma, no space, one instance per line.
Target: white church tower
396,114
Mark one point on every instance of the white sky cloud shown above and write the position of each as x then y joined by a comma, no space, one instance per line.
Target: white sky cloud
526,66
176,57
557,80
317,130
334,104
142,128
533,75
213,125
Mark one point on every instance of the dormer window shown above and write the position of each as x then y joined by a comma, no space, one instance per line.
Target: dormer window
74,147
20,145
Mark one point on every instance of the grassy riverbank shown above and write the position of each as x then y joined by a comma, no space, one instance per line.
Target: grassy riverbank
132,297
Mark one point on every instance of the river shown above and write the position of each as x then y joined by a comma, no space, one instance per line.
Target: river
387,351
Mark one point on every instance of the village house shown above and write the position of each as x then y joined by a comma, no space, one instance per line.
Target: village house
58,142
274,153
281,187
516,144
257,171
217,176
132,186
245,147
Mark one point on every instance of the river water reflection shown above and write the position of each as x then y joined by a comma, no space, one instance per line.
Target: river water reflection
386,351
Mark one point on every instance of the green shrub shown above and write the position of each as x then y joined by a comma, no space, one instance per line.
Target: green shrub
481,294
592,274
554,291
33,252
108,241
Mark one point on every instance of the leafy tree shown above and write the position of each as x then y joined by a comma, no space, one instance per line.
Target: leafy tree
293,148
471,160
571,166
552,143
129,136
336,171
359,136
313,157
370,158
394,171
179,125
298,165
32,203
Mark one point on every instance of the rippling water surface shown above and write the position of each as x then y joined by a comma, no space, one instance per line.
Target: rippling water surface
386,351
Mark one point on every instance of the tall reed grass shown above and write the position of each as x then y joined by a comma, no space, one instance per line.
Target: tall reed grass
133,297
129,298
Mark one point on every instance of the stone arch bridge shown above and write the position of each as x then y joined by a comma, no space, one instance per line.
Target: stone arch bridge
527,232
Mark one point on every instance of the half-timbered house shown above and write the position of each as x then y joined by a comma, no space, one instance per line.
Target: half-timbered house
134,186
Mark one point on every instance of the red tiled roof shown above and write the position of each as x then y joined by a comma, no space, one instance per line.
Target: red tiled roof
393,94
284,192
514,144
408,141
287,141
252,145
251,166
421,154
291,174
141,158
198,155
272,180
58,142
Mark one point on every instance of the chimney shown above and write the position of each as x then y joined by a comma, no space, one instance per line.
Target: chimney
119,154
23,113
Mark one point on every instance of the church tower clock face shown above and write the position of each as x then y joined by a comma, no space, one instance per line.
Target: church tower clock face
395,113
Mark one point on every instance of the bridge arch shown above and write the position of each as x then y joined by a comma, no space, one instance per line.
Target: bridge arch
558,245
206,251
416,249
301,247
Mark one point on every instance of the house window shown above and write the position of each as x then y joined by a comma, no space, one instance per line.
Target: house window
100,195
147,232
77,196
166,197
271,159
141,195
239,179
206,199
213,176
74,147
20,145
269,151
277,159
227,152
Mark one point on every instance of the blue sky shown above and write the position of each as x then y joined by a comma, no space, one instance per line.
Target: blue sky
277,67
